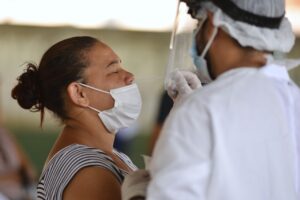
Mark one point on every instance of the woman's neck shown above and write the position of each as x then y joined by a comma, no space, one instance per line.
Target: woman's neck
91,130
86,128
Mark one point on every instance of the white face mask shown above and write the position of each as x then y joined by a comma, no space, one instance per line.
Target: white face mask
200,61
127,107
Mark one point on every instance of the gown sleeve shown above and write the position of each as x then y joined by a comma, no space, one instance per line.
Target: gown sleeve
180,166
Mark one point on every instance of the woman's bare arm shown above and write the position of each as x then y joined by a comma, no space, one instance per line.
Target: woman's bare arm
93,183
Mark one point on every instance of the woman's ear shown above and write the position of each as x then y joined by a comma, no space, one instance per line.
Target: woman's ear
77,95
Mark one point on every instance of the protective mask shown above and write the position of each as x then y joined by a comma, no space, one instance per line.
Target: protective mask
127,107
199,61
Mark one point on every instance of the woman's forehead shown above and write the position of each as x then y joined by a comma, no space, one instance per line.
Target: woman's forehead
100,57
102,53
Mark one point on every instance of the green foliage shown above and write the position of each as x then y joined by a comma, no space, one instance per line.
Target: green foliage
35,143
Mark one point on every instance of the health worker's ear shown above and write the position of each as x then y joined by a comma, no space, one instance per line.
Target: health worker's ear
77,95
209,24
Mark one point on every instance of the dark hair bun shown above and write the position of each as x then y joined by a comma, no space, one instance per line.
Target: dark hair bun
27,92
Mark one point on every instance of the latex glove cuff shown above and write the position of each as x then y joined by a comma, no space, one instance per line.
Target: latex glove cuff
135,185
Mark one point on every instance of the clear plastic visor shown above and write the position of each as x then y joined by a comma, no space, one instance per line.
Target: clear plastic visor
181,41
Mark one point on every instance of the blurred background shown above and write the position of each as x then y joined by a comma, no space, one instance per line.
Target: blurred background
138,30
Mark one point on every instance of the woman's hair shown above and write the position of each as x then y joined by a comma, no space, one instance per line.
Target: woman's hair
44,86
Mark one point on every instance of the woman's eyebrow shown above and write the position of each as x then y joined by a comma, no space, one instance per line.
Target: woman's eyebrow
114,62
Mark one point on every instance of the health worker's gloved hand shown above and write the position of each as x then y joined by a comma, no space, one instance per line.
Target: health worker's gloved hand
181,83
135,185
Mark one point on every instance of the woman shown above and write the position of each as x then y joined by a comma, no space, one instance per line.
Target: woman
81,81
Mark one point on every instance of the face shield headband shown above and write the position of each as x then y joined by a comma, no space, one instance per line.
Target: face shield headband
236,13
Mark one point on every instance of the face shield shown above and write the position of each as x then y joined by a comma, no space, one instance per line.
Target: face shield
184,54
181,41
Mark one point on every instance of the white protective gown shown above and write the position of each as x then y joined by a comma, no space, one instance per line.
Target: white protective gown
235,139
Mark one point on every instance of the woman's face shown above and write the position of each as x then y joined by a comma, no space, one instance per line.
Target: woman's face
104,72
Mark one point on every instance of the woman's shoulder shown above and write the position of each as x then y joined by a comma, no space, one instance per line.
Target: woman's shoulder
67,162
93,183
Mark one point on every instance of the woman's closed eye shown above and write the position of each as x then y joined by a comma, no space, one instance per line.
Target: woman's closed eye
114,67
114,70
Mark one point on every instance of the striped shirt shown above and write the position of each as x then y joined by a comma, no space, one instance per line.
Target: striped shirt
68,161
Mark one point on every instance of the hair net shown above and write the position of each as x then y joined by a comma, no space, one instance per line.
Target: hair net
260,33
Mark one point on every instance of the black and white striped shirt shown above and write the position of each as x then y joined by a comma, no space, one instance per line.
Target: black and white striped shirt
67,162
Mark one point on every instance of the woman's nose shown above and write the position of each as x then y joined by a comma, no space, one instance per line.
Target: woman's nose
129,78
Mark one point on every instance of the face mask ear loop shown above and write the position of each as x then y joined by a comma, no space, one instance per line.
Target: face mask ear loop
210,41
94,109
199,25
197,29
93,88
